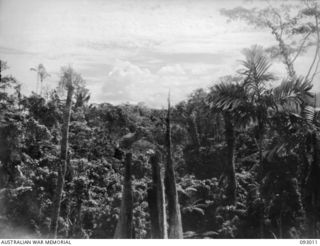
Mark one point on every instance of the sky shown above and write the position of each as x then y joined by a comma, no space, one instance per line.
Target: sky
127,51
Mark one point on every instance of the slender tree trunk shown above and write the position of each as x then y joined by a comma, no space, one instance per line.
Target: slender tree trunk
41,80
156,201
124,227
175,224
229,134
37,87
62,166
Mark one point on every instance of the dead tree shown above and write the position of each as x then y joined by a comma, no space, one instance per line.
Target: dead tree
156,200
62,165
175,224
124,229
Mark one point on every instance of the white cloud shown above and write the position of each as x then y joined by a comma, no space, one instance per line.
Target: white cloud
127,82
175,69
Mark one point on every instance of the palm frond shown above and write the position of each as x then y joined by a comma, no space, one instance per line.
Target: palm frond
256,68
291,94
228,96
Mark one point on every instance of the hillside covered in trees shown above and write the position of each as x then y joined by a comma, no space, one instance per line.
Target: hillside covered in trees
240,159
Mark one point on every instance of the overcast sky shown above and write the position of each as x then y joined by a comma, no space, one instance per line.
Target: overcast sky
127,51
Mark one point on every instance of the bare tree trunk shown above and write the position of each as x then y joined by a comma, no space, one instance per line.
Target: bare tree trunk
62,166
41,80
124,227
156,201
231,174
37,82
175,224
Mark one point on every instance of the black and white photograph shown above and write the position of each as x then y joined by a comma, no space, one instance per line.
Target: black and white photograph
159,119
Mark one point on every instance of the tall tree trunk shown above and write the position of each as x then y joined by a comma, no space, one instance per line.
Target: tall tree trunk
37,87
124,227
62,166
41,80
156,201
231,174
175,224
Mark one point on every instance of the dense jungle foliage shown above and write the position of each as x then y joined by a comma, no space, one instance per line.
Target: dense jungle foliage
245,155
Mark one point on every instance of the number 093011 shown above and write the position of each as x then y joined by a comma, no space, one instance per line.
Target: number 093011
308,241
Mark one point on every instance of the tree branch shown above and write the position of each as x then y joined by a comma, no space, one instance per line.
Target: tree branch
301,47
317,50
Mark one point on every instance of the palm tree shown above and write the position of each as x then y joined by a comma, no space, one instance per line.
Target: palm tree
256,71
41,75
289,98
230,99
299,132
